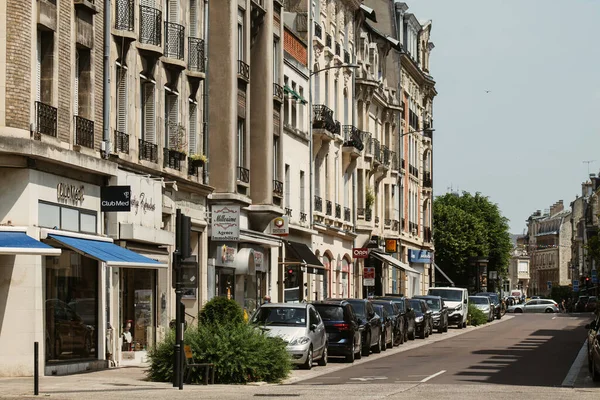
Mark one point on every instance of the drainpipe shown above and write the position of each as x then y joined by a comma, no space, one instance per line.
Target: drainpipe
354,178
205,135
106,88
310,105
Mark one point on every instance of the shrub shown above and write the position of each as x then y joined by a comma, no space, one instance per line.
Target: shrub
476,316
240,353
221,310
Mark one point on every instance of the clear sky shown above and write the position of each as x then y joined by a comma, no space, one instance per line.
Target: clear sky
524,143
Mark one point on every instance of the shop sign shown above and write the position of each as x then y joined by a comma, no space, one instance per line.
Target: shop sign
280,226
146,200
368,276
391,245
70,194
225,223
258,261
360,252
226,255
115,198
375,242
419,256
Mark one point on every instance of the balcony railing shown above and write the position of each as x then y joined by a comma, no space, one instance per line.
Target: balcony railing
150,25
302,217
174,34
387,223
368,214
243,174
352,137
244,70
385,152
278,188
277,92
338,211
323,118
84,132
328,40
395,225
360,213
377,150
427,179
338,49
45,119
346,57
121,142
288,212
427,234
196,54
318,31
328,207
347,214
318,204
124,15
148,151
173,158
194,166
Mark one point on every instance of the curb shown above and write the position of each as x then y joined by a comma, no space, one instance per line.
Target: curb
390,352
576,367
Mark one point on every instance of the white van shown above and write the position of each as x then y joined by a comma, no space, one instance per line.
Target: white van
457,300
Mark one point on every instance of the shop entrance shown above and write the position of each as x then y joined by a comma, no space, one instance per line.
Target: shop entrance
138,309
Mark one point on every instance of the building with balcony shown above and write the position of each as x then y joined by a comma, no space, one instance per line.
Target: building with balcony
518,276
59,248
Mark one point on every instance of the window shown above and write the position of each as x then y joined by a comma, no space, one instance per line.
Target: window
302,206
286,104
83,83
241,143
294,112
194,18
275,157
346,110
335,98
276,60
121,79
193,127
173,11
172,134
148,112
58,216
287,186
44,66
241,36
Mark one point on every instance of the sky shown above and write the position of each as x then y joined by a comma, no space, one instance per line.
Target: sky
524,143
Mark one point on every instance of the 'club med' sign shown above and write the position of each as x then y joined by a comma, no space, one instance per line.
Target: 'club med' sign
225,223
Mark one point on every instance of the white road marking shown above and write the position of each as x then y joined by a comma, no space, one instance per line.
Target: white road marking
369,378
553,317
576,367
433,376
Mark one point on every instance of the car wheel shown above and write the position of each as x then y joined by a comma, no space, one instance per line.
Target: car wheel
309,359
350,356
391,342
402,337
548,310
383,342
499,316
358,354
465,324
366,347
377,347
323,359
518,311
423,333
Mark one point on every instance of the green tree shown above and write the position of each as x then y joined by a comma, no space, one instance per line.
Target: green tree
467,226
592,249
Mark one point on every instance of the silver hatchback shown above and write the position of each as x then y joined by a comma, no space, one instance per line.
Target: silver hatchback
535,306
300,325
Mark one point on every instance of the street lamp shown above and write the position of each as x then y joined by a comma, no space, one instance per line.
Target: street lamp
418,131
332,67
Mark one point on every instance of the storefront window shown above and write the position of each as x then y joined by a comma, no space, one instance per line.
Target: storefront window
138,310
71,307
225,280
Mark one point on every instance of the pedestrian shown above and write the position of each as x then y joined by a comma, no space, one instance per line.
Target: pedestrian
266,299
563,308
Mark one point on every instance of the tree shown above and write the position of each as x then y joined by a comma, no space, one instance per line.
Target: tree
467,226
592,249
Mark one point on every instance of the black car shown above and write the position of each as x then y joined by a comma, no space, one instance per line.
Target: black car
387,330
369,324
439,312
423,317
343,331
495,300
407,313
397,319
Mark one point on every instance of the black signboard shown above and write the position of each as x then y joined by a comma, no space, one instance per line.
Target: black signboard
115,198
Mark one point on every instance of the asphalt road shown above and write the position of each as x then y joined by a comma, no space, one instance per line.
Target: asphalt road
528,350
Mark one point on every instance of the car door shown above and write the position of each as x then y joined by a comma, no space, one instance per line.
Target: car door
373,319
351,317
318,335
532,306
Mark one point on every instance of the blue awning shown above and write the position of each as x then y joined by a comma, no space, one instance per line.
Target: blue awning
107,252
17,242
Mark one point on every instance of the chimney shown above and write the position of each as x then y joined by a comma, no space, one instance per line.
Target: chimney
559,206
552,209
586,189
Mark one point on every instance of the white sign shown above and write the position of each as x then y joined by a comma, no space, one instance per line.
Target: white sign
258,261
67,193
280,226
225,223
146,200
369,282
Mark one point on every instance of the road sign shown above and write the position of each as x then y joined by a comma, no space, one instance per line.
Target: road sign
575,283
369,282
594,276
575,288
549,285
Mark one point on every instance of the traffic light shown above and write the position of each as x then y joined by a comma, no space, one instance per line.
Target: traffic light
290,276
587,281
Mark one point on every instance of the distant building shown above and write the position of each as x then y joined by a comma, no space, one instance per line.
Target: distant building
518,277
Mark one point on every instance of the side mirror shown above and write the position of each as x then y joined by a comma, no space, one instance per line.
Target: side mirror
465,301
313,327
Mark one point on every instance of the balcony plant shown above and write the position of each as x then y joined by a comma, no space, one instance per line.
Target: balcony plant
198,160
369,198
177,138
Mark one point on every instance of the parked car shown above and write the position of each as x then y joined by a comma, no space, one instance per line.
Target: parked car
66,330
369,324
387,330
535,306
483,303
439,313
407,313
300,325
343,330
595,357
423,317
457,300
495,300
591,304
397,319
593,330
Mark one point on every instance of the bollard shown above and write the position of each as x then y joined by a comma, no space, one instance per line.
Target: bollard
36,362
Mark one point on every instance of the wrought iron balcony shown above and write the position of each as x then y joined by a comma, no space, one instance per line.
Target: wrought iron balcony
174,34
148,151
173,158
196,55
352,137
243,174
194,166
360,213
318,204
347,214
124,15
288,212
278,188
150,25
328,207
45,119
427,179
302,217
328,40
121,142
427,237
323,118
338,211
346,57
243,70
84,132
318,31
277,92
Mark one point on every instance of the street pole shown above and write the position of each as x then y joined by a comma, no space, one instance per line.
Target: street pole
177,368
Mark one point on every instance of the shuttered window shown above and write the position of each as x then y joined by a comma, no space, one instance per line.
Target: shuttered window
193,127
173,11
172,140
76,87
121,98
38,65
148,112
194,18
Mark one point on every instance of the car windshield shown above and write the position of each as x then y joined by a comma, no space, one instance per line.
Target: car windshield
280,316
434,304
359,308
446,294
479,300
493,297
415,304
330,312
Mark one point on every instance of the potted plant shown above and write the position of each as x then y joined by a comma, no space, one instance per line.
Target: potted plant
369,198
198,160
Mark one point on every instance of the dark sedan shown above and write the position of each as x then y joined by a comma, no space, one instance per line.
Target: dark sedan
343,331
423,317
397,319
369,324
387,330
407,313
439,311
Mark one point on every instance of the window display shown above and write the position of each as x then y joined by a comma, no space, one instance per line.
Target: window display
138,308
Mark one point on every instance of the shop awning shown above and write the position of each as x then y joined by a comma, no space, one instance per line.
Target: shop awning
393,262
107,252
17,242
301,254
294,94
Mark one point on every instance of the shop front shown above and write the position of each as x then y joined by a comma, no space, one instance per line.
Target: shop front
385,265
304,273
420,260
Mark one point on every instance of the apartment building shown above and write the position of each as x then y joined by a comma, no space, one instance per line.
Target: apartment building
104,275
518,278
